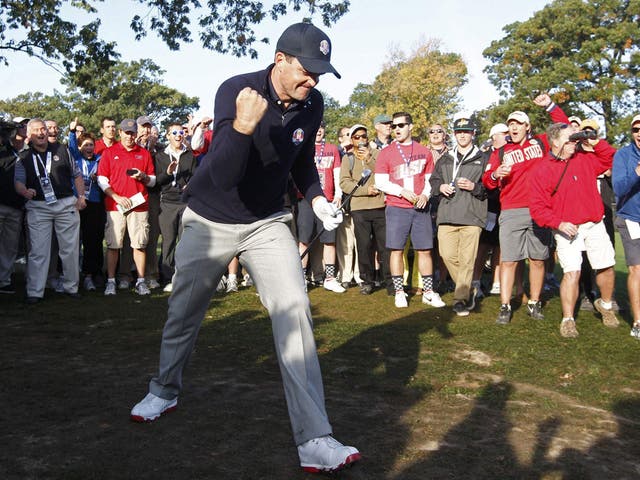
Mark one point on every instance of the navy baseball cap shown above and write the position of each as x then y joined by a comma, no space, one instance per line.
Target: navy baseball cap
129,125
309,45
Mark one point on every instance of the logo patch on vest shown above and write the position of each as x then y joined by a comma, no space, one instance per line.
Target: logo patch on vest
298,136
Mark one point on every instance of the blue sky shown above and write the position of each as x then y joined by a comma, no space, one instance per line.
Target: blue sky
361,41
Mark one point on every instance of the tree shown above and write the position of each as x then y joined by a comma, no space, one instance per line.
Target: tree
125,90
424,84
226,26
585,52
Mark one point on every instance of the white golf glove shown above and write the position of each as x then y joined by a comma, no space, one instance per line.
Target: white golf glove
328,213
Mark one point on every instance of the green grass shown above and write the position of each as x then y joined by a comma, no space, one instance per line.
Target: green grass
423,393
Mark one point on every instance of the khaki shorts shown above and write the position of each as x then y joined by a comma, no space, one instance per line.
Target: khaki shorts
592,238
136,223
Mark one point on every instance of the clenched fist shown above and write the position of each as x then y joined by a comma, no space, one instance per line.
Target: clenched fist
250,108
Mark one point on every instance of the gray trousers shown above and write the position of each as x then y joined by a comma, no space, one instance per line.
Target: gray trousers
43,220
270,254
10,229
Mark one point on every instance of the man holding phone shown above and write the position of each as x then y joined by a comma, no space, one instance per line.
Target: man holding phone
124,173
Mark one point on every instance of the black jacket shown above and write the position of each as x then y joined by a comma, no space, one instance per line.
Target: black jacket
465,207
171,187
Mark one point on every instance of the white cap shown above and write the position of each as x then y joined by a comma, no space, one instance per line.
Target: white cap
519,117
635,120
355,128
575,119
498,128
21,119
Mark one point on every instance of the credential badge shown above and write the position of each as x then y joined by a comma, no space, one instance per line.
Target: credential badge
298,136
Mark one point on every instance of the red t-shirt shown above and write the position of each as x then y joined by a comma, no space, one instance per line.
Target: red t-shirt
327,158
410,169
115,162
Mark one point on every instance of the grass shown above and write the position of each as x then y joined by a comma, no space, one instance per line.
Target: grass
422,393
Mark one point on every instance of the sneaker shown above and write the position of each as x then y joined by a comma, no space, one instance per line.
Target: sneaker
495,289
568,328
504,316
366,289
222,285
246,281
608,315
151,407
152,283
432,298
333,286
326,454
461,309
142,288
168,288
586,305
124,285
8,289
635,331
401,299
110,288
232,285
88,283
535,310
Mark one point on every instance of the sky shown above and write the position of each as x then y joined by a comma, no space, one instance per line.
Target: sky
362,40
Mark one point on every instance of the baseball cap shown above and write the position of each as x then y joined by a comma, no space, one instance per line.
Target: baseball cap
589,123
383,118
498,128
129,125
635,120
463,125
143,120
519,117
310,45
355,128
575,119
20,119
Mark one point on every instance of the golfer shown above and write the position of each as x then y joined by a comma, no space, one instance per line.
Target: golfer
265,124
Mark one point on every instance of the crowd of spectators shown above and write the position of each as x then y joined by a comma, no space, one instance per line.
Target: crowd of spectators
419,219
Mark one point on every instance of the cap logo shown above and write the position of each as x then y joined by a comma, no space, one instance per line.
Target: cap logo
298,136
324,47
462,122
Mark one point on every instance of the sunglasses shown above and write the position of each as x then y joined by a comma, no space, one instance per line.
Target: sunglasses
177,132
358,137
399,125
436,130
635,129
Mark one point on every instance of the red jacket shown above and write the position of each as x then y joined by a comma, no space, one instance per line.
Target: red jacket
577,199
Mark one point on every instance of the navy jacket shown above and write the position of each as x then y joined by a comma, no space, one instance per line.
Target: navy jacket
243,178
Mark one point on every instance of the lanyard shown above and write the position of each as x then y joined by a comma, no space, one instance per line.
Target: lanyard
406,161
456,168
47,169
319,156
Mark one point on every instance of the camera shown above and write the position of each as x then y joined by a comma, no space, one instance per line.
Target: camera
132,171
583,135
453,184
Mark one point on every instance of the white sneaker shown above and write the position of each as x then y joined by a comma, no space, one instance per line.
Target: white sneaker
432,298
168,288
247,281
232,285
88,283
110,288
495,289
333,285
153,283
401,300
151,407
222,284
124,285
142,288
326,454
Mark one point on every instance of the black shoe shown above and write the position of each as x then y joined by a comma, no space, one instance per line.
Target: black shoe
535,310
366,289
33,300
8,289
504,317
346,285
461,309
74,295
